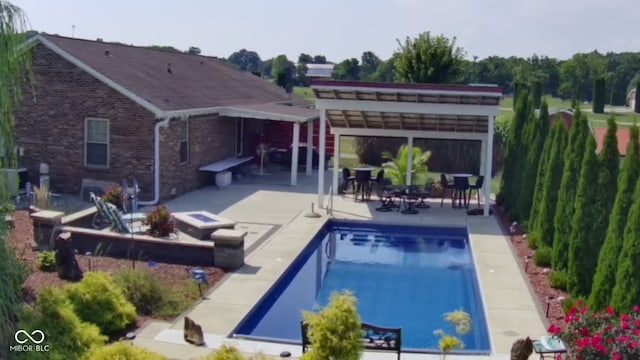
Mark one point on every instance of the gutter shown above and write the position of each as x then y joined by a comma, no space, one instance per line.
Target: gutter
156,163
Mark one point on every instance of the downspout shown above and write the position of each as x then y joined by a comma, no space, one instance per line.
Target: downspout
156,164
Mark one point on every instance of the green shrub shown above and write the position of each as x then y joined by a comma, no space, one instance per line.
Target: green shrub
558,280
97,299
335,331
68,337
142,289
122,351
229,352
46,261
542,257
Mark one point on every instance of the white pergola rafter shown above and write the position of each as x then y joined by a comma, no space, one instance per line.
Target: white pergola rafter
455,120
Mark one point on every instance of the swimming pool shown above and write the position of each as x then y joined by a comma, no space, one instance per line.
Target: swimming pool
403,276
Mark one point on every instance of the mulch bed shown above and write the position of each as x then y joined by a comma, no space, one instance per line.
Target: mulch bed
538,276
170,275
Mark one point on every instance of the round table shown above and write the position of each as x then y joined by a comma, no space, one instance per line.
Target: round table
462,175
460,194
363,188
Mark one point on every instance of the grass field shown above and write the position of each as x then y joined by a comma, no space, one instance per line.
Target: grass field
305,92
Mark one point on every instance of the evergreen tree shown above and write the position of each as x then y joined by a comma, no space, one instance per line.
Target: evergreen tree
537,132
636,107
578,275
515,153
605,277
626,292
537,94
540,176
599,95
567,193
543,232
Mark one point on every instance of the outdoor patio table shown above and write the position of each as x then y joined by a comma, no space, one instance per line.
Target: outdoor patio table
362,178
460,187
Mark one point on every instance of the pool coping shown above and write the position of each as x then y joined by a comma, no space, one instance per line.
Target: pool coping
230,302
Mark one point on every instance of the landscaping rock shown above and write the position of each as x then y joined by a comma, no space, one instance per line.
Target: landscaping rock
66,262
193,332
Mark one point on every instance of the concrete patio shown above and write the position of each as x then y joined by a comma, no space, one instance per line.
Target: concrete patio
510,308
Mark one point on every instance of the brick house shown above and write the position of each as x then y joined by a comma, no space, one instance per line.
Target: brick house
106,111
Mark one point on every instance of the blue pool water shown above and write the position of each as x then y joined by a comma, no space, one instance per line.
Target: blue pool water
403,276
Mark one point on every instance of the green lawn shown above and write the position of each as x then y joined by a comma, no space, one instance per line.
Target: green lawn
305,92
623,118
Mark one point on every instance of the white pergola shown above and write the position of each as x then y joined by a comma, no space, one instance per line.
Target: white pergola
457,112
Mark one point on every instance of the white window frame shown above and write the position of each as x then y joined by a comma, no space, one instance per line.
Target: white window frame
86,142
184,139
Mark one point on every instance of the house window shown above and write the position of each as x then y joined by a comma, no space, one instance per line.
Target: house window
96,148
184,143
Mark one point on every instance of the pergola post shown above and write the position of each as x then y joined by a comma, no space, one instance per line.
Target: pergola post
409,159
483,155
294,153
309,161
336,161
487,166
322,139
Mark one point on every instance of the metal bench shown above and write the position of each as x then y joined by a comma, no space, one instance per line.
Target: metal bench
373,337
225,164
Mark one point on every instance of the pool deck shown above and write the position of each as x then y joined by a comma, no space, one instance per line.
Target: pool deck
511,310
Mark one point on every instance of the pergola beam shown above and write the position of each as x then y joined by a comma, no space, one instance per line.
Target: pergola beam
396,107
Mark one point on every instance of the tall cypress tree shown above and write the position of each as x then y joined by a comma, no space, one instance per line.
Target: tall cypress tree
537,94
636,108
567,193
538,130
605,278
511,174
578,277
540,176
543,232
599,95
626,292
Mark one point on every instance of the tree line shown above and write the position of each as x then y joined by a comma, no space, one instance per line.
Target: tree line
579,208
568,79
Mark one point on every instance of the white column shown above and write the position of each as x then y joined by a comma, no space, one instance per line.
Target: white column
487,166
322,139
409,159
336,161
483,155
309,147
294,153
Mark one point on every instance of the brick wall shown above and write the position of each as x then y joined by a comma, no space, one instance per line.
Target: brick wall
211,138
52,129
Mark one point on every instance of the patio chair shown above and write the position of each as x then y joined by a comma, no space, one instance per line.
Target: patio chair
476,187
424,193
446,186
120,225
378,182
362,181
104,218
347,180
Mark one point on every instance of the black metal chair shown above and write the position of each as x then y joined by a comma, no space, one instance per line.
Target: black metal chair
424,193
347,180
377,182
446,186
476,187
362,180
460,187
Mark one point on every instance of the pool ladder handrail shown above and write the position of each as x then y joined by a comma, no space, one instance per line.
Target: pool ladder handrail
330,201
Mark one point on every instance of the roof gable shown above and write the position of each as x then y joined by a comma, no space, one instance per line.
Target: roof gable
164,81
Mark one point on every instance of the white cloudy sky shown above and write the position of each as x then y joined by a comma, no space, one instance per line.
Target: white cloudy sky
345,28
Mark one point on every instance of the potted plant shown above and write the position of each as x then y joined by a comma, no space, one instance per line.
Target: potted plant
160,222
114,195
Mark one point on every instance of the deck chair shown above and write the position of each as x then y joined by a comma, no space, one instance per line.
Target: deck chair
120,224
104,218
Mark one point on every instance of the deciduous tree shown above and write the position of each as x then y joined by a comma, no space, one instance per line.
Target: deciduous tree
245,60
605,277
428,59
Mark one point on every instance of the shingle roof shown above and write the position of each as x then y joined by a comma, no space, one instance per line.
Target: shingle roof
193,82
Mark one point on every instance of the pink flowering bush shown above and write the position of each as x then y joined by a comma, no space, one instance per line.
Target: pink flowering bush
592,335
